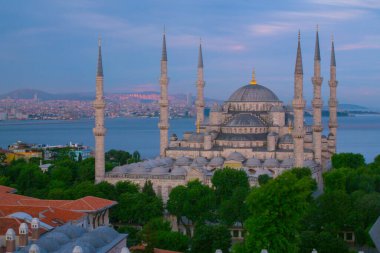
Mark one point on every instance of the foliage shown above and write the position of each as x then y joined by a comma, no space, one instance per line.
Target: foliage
209,238
277,209
226,180
263,179
323,242
120,157
234,209
195,201
133,235
347,160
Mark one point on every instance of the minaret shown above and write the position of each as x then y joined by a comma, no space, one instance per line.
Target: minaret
298,108
163,125
99,129
317,103
200,103
333,103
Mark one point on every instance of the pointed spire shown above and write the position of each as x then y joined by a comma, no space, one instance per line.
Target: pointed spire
200,57
317,54
299,69
253,81
333,63
100,64
164,54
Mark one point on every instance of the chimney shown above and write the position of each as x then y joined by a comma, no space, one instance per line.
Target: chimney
23,235
34,249
35,229
10,241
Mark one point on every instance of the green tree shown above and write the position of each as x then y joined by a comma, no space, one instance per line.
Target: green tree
234,209
208,238
86,170
277,209
263,179
126,186
3,157
226,180
195,201
148,189
347,160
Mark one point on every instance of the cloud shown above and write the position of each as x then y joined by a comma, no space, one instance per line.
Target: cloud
371,4
369,42
271,28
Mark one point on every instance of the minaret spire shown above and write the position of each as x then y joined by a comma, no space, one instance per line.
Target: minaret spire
333,103
163,125
317,103
200,103
99,129
298,108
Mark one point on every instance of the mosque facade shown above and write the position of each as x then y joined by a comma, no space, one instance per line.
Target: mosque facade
252,131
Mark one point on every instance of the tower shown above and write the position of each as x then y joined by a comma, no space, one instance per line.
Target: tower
200,103
163,125
99,129
317,103
298,108
333,103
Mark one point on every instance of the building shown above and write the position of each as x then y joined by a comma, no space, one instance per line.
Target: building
253,130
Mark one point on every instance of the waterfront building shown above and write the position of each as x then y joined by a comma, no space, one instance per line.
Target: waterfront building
253,131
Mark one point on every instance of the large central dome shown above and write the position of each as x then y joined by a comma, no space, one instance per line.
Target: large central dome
253,93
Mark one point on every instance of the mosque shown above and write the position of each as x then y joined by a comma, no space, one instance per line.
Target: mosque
252,131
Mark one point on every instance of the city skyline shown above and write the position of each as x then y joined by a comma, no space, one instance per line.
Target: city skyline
57,52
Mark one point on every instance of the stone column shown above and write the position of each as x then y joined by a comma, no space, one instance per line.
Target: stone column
163,125
99,129
317,104
298,108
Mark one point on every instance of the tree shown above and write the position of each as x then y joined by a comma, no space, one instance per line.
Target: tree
148,189
323,242
226,180
126,186
195,201
263,179
277,209
347,160
3,157
86,170
209,238
234,209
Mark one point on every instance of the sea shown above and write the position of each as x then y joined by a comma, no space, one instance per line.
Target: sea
357,134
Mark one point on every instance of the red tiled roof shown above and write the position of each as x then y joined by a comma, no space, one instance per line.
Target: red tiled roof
49,215
14,223
6,189
88,204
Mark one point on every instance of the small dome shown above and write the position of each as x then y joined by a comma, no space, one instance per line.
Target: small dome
253,162
288,163
182,161
272,134
34,249
271,163
159,171
200,160
245,119
310,164
236,156
179,171
216,161
253,93
286,139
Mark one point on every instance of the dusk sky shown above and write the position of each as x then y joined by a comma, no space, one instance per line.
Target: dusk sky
51,45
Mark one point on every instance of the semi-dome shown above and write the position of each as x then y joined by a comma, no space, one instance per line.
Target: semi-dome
179,171
288,163
236,156
159,171
182,161
253,162
216,161
245,119
253,93
271,163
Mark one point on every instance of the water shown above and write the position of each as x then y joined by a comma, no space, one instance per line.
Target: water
359,134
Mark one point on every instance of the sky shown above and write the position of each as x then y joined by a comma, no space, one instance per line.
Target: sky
51,45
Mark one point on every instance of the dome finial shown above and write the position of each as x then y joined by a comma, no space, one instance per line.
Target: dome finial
253,81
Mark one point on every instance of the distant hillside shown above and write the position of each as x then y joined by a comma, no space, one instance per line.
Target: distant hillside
351,107
41,95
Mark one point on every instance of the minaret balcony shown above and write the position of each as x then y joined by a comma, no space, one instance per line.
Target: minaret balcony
99,104
163,126
317,80
163,103
298,103
200,103
317,103
333,103
333,83
333,125
317,128
99,131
